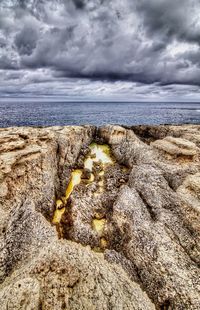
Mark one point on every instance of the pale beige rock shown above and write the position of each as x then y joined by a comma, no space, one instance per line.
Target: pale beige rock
22,294
113,134
149,203
67,276
190,190
176,146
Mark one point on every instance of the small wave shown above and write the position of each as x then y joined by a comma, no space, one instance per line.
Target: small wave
198,111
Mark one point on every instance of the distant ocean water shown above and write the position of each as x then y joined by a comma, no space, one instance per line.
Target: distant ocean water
41,113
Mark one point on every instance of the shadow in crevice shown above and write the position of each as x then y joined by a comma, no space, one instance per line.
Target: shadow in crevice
149,134
83,214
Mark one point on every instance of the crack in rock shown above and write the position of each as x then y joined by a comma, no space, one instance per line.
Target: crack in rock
100,218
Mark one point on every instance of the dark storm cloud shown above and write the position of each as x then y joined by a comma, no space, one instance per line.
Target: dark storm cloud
151,42
7,63
26,40
80,4
171,19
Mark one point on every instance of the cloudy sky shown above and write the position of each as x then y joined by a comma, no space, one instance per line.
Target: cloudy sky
100,49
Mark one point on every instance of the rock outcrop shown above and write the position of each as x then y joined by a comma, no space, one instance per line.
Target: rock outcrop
100,218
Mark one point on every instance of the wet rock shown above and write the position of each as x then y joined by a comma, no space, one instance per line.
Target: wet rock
86,174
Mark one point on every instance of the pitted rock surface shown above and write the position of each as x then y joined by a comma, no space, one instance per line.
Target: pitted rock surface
132,245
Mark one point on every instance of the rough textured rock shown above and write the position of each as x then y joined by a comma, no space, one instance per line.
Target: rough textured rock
129,239
176,146
67,276
30,179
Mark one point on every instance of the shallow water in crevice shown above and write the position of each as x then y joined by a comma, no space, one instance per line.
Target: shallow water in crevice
60,203
100,155
83,214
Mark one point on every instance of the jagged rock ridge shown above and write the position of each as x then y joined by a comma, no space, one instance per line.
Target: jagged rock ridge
134,245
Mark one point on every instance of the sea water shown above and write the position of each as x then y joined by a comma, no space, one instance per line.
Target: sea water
22,112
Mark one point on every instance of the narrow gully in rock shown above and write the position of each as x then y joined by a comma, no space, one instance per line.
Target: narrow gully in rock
104,208
92,177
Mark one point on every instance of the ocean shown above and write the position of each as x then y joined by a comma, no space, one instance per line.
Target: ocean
49,113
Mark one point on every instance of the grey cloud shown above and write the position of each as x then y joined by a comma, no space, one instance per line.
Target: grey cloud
26,40
7,64
133,41
80,4
171,19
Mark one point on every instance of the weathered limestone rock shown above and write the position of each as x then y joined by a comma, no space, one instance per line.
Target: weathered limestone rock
30,180
190,190
176,146
65,275
128,236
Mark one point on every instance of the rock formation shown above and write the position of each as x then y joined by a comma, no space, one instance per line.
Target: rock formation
100,218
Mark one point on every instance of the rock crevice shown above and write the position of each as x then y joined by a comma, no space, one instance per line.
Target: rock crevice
126,232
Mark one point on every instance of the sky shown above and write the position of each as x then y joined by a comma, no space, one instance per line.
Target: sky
100,49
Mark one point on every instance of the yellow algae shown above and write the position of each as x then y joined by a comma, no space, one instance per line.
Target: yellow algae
88,164
59,211
125,169
59,204
102,153
91,179
75,180
99,215
103,243
98,225
97,249
98,153
101,183
100,190
58,215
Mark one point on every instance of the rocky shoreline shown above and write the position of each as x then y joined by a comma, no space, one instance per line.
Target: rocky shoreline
127,234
